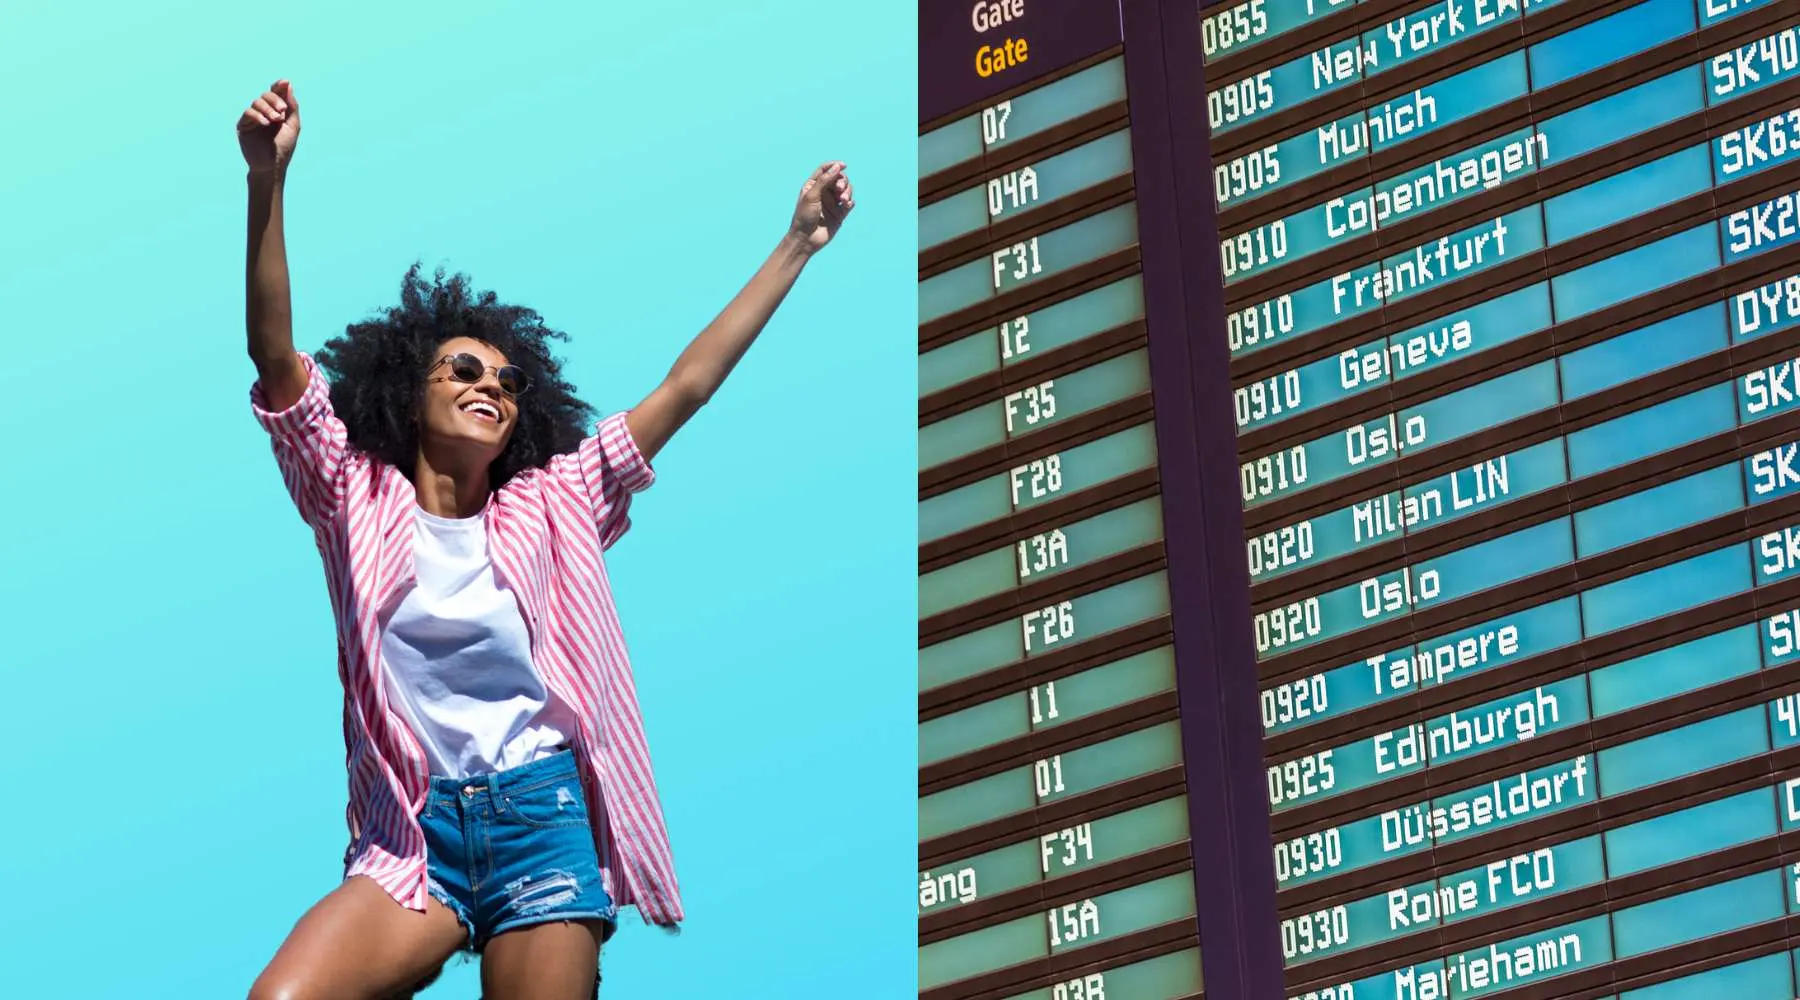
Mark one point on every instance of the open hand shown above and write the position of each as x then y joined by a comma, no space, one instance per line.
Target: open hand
825,201
269,128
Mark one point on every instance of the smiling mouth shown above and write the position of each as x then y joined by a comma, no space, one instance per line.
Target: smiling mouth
482,410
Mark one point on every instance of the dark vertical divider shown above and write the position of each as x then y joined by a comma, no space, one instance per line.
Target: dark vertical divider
1234,875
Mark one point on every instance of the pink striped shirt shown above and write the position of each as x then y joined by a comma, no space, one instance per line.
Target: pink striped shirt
547,529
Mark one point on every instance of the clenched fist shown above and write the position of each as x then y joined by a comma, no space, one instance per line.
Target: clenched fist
269,128
825,200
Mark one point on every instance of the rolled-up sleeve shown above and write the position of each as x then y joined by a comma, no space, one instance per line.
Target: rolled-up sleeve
610,469
311,445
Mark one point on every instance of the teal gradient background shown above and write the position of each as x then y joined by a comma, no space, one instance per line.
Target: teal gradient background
171,709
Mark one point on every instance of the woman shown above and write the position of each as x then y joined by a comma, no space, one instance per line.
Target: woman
501,797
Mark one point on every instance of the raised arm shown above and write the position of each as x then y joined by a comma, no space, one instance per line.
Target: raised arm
267,133
825,200
291,398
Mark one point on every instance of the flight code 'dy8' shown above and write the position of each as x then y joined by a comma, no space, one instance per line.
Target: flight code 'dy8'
1772,304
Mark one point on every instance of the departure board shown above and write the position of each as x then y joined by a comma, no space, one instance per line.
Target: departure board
1359,499
1508,317
1056,824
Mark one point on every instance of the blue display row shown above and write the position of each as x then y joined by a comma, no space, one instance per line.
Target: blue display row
1346,63
1380,677
1027,261
1591,943
1228,30
1475,329
1418,191
1524,232
1231,30
1771,977
1350,62
1494,481
1484,566
1541,872
1040,631
1438,421
1509,798
1029,187
1006,123
1521,716
1037,481
1436,105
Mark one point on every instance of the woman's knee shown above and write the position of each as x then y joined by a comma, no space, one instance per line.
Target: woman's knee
285,984
282,984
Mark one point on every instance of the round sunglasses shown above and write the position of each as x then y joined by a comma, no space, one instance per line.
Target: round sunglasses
469,368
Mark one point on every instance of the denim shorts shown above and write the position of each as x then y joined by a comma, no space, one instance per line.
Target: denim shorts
512,849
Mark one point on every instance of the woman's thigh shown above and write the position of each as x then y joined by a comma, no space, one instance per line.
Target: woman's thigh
358,944
551,961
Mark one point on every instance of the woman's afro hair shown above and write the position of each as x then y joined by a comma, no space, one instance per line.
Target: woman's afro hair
377,371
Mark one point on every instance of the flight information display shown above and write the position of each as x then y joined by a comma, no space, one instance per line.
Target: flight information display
1359,508
1056,847
1509,320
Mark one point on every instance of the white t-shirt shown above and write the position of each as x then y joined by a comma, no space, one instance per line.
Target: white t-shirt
458,659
